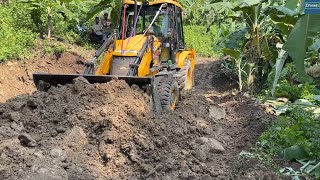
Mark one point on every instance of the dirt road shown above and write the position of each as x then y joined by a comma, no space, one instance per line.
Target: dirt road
107,131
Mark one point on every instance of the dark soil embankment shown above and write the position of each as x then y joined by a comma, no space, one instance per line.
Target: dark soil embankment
16,76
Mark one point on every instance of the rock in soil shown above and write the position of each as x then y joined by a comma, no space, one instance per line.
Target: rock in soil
15,116
47,172
210,145
58,154
217,113
26,140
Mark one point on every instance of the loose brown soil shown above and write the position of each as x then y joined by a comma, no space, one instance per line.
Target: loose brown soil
108,131
16,76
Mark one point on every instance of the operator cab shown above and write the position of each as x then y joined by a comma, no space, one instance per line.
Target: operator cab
166,26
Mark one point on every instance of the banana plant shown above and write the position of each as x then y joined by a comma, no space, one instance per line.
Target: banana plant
301,37
51,8
301,32
271,23
258,47
205,12
111,6
235,54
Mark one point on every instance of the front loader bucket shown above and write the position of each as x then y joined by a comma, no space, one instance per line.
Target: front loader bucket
44,81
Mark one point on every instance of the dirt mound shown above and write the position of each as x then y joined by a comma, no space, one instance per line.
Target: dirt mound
16,76
100,131
80,121
108,131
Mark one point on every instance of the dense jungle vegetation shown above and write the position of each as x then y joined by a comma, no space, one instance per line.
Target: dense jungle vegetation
271,46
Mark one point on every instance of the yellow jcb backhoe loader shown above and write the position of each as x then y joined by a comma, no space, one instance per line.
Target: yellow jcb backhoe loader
147,49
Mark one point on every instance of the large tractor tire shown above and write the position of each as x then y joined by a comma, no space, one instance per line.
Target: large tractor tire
185,76
168,91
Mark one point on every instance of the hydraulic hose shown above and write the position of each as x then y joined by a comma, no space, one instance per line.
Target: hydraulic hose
135,9
123,26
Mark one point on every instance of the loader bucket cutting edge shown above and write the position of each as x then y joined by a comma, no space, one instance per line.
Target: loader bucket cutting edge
63,79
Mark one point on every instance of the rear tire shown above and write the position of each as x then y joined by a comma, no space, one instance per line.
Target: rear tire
168,90
185,76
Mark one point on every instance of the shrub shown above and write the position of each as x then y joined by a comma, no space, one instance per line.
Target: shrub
15,39
294,92
296,127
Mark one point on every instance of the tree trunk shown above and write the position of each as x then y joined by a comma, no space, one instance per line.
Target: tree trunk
49,26
250,81
260,70
239,74
49,23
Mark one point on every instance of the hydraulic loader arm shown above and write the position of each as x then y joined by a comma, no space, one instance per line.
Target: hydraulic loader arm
90,66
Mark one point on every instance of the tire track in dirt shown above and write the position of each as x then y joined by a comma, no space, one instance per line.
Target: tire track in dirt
237,121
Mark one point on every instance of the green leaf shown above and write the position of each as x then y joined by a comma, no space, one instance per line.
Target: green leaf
283,55
103,5
307,26
285,10
236,39
220,5
283,15
284,28
294,152
247,3
62,9
231,52
315,45
292,4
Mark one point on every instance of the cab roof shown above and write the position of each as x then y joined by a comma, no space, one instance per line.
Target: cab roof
154,2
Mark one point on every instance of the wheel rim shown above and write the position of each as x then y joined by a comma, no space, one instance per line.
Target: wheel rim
173,99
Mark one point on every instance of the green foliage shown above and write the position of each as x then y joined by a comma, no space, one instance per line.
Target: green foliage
204,42
240,65
294,92
296,127
289,91
48,13
233,53
22,21
283,55
15,38
110,6
262,26
297,43
54,48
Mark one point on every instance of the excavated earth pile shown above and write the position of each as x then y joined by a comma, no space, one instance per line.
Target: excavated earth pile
108,131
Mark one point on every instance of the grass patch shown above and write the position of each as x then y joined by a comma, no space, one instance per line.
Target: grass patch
202,40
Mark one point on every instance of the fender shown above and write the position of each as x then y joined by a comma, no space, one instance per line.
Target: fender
181,56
